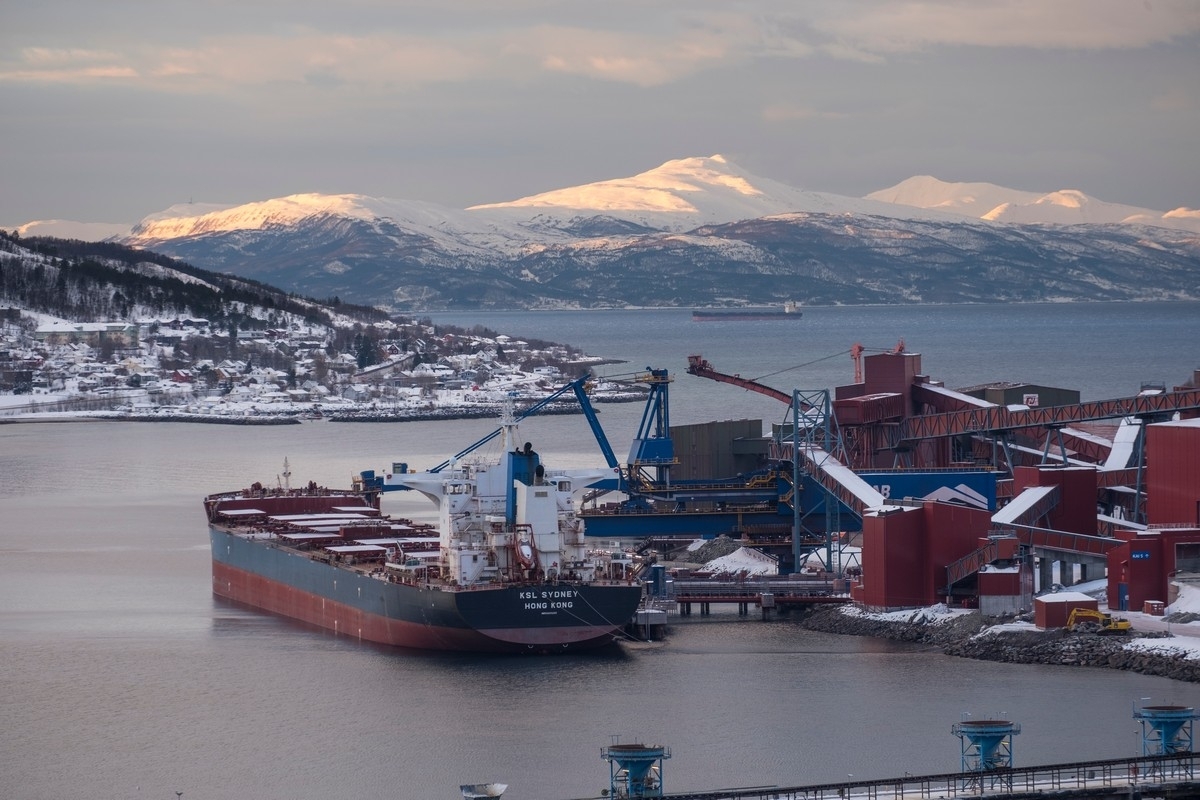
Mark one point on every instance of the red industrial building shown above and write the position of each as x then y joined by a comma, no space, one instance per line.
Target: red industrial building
1173,473
1141,568
1075,510
1053,610
1068,499
909,550
906,550
1005,584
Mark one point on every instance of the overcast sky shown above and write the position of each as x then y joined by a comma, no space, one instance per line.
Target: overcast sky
117,109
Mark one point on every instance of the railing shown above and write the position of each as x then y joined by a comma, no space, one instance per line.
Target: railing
1169,776
1064,541
781,592
999,418
971,563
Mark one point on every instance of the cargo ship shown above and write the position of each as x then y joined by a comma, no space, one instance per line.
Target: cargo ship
790,310
506,570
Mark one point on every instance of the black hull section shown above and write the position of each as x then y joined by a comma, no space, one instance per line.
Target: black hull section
718,316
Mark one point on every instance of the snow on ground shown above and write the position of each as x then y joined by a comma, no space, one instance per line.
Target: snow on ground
1097,588
1188,601
1186,647
20,400
843,557
1016,626
1185,640
930,615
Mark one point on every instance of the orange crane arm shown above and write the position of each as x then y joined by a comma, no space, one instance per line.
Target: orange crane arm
698,366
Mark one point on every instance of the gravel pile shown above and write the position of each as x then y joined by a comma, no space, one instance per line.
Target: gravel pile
711,550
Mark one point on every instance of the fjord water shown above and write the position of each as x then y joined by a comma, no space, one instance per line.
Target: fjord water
123,676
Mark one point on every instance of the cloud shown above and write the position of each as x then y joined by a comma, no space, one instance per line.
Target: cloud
670,46
895,27
783,112
1172,100
68,65
645,45
640,59
254,60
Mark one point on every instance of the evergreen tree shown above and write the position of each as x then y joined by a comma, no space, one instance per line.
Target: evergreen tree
365,352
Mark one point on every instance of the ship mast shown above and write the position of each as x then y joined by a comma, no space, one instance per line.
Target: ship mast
508,422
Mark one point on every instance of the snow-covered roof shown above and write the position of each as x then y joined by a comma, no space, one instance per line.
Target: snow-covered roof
1021,505
963,398
1066,597
1179,423
845,477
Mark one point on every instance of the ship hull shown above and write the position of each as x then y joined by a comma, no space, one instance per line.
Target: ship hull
509,618
718,316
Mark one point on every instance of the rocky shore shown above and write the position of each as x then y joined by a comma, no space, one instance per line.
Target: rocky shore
481,411
968,635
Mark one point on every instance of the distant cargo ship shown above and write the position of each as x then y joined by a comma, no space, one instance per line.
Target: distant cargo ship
790,310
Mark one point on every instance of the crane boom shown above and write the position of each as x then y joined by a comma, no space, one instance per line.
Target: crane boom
579,387
697,365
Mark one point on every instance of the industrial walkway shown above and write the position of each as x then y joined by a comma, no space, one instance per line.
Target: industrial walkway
1169,776
765,594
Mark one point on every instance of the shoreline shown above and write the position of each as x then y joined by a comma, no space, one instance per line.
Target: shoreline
295,416
968,635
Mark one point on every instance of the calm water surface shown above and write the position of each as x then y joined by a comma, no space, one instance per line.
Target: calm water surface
123,677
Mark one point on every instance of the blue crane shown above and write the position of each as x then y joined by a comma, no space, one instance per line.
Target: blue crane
370,481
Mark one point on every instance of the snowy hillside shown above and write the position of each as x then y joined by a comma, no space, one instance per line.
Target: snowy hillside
969,199
695,232
988,201
65,229
690,192
1070,207
677,196
196,219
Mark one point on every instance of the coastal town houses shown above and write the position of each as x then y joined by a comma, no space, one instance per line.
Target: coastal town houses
164,362
94,334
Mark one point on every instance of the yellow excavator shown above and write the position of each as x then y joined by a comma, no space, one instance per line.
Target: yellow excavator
1089,620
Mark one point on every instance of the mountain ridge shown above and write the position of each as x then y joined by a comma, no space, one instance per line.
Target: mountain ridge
663,190
694,232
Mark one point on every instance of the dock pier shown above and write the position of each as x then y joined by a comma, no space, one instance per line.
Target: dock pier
1169,776
766,595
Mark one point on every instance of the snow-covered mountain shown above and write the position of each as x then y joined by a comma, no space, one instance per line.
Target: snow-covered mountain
687,193
192,219
677,196
66,229
695,231
998,204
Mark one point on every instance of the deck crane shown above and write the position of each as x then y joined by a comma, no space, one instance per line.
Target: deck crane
579,387
653,502
382,483
653,452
